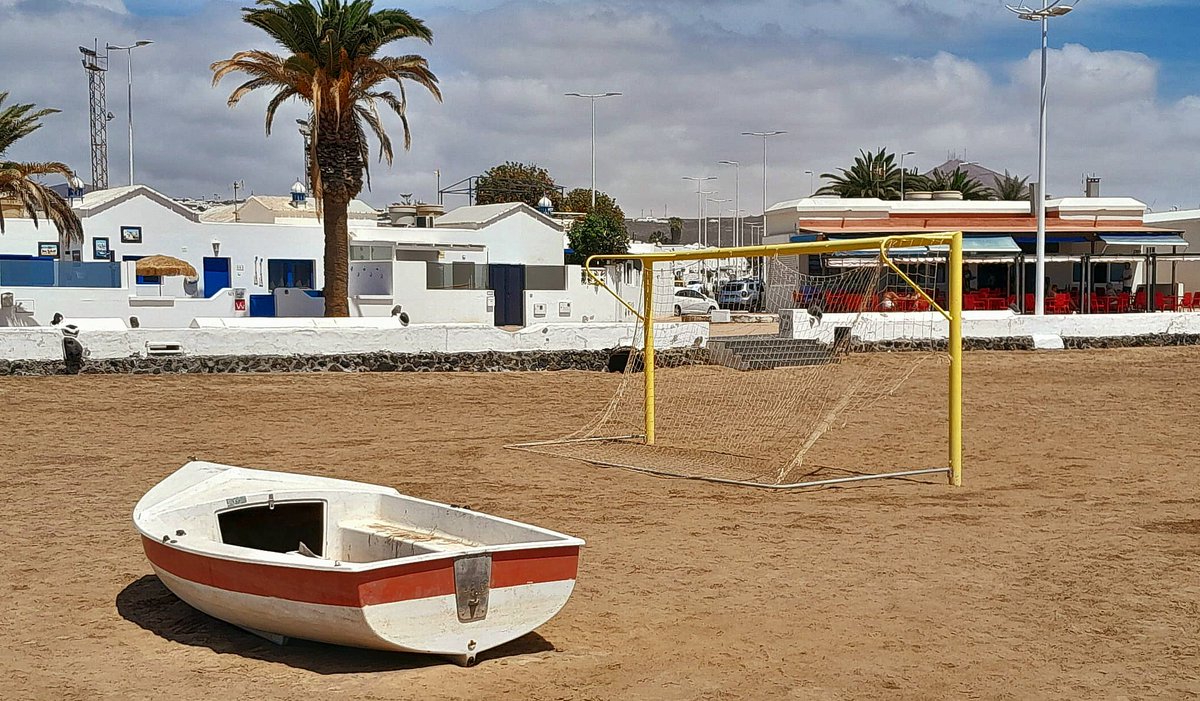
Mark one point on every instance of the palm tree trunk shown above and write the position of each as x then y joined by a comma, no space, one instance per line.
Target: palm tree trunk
337,254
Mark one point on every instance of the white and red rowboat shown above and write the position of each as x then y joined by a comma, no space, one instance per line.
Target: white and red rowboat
293,556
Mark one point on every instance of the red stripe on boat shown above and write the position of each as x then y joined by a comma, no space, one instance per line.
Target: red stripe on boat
404,582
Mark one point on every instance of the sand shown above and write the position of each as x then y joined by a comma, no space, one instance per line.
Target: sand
1067,567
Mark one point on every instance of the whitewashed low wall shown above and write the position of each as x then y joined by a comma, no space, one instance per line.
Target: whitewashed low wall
227,337
880,326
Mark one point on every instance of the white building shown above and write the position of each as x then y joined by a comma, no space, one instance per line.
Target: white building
500,264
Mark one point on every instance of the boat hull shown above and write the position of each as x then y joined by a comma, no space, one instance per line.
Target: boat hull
410,607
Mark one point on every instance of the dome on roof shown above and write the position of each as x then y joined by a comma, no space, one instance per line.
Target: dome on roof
545,204
75,182
298,188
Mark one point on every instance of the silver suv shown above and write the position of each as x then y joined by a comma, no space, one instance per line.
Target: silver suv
741,294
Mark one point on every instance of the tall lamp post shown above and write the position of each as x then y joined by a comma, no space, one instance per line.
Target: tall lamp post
699,199
1050,8
737,199
764,135
906,153
129,62
811,186
593,98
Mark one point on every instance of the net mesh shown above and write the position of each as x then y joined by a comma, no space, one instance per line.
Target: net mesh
787,380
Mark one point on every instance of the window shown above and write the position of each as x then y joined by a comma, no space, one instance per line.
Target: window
144,279
290,273
545,277
460,275
370,252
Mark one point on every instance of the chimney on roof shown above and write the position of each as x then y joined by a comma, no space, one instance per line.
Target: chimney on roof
1091,186
299,194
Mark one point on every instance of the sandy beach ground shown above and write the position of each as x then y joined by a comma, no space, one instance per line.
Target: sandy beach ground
1067,567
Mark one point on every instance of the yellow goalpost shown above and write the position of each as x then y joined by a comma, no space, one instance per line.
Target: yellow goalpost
847,310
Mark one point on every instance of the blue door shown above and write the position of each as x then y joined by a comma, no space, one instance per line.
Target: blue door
216,275
508,282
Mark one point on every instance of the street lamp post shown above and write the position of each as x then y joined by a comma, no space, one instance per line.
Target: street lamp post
699,199
764,135
129,62
737,199
906,153
811,187
719,202
593,98
1050,8
704,213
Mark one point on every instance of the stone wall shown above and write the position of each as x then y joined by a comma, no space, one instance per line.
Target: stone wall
1148,340
383,361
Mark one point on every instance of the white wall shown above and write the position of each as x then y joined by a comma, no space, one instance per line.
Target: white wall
222,337
877,326
586,302
78,303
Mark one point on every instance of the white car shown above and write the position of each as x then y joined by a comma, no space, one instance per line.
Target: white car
689,301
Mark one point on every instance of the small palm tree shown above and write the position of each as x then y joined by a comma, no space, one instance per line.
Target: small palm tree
1010,187
332,65
958,180
872,175
17,179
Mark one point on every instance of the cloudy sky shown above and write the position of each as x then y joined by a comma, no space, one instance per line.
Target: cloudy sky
931,76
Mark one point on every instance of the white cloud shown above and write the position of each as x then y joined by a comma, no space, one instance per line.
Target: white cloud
694,76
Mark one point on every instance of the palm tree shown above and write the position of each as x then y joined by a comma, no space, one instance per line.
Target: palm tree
332,65
16,179
872,175
1010,187
957,180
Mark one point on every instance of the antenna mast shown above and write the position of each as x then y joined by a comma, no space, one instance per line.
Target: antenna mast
96,65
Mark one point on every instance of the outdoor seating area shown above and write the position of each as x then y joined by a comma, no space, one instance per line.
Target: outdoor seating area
1099,302
991,299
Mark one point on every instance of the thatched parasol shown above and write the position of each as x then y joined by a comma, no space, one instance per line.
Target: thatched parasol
164,265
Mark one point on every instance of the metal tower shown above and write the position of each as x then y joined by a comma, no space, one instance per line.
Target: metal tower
96,65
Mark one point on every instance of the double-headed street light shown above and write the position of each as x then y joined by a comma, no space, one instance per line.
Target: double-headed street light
593,98
699,199
129,55
1049,9
718,202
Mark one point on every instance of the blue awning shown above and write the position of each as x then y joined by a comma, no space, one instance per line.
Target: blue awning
1144,239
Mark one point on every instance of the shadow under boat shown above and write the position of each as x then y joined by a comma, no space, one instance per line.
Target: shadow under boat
151,606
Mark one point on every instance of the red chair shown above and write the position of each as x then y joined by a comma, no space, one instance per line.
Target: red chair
1191,301
1122,302
1029,302
1061,304
1165,303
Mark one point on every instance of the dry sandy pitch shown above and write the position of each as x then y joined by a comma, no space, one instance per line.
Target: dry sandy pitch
1069,567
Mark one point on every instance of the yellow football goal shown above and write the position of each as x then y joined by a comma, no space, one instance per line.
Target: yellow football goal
823,370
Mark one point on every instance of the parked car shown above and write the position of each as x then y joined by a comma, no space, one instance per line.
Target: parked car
741,294
696,285
689,301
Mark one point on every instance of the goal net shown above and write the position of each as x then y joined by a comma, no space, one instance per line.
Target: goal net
837,362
